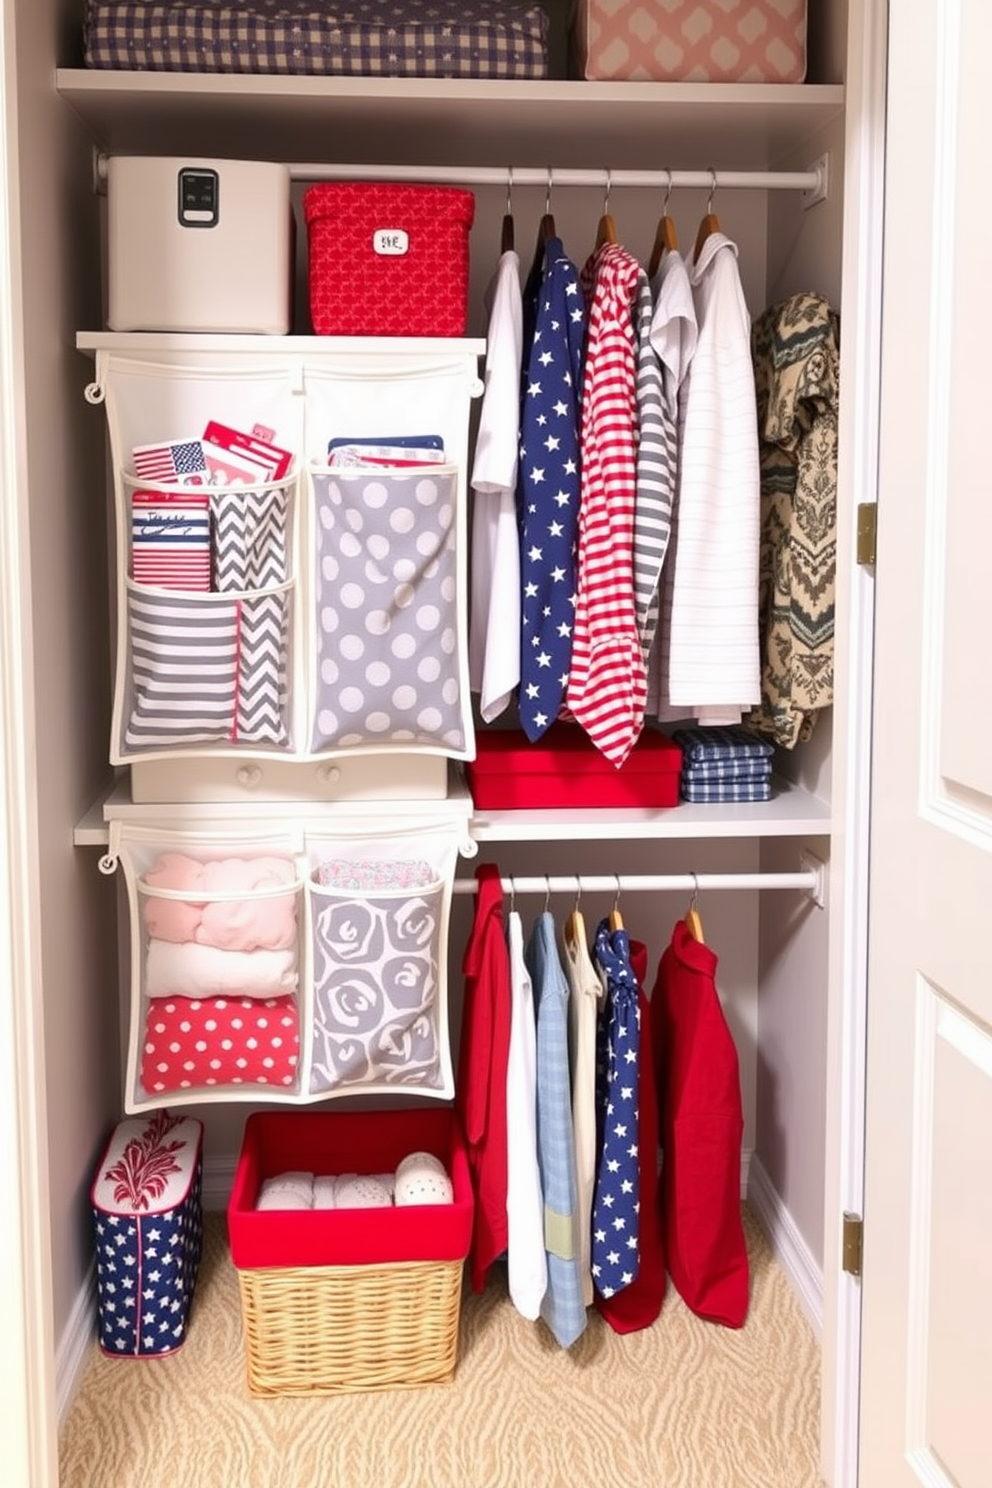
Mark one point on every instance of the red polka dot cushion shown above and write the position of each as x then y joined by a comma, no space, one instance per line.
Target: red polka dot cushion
192,1042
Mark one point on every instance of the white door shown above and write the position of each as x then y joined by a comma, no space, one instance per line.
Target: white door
926,1403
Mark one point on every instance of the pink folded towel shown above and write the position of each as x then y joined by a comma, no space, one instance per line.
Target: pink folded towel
265,921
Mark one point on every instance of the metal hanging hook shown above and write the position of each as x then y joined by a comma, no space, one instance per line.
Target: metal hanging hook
695,891
547,893
578,894
709,204
547,199
616,897
509,191
668,193
606,197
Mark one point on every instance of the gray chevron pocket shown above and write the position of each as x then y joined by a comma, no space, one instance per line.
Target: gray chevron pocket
251,556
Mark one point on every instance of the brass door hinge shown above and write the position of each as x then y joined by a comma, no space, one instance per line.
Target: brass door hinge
853,1240
867,512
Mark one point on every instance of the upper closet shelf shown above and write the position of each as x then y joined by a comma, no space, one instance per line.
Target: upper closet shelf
639,126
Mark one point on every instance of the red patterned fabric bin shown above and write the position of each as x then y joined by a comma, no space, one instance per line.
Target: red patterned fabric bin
694,41
565,769
387,259
148,1233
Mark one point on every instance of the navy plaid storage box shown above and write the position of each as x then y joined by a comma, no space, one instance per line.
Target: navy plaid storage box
148,1229
370,38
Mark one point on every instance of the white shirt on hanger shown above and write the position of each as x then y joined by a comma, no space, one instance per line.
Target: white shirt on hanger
526,1258
714,660
494,610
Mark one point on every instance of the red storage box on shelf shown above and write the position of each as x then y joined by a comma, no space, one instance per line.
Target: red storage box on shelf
344,1300
388,259
565,769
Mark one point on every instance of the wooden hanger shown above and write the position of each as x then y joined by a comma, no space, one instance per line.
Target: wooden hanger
574,931
616,918
693,923
506,234
546,230
710,223
606,232
666,238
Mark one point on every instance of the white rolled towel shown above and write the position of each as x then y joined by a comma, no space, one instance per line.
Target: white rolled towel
291,1190
361,1191
421,1179
191,970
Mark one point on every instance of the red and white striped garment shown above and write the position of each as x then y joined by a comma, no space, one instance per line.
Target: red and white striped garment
607,687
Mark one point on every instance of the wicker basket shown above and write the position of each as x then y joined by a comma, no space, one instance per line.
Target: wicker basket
333,1329
383,1312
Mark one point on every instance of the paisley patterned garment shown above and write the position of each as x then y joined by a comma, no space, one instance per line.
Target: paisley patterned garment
795,346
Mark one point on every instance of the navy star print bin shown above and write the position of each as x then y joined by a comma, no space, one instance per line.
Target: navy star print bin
148,1228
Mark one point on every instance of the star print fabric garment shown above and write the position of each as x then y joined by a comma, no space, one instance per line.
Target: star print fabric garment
548,487
607,686
638,1305
616,1199
562,1307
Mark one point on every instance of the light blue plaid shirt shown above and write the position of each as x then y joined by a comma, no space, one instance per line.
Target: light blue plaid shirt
562,1308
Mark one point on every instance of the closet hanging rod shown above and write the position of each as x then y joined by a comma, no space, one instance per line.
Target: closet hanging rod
813,180
498,175
809,880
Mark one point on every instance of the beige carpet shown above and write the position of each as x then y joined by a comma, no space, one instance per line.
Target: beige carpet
681,1405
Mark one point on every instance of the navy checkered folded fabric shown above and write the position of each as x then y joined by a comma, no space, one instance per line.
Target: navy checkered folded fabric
721,743
370,38
727,769
701,792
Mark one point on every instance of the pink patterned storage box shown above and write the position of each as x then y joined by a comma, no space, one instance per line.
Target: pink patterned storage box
690,41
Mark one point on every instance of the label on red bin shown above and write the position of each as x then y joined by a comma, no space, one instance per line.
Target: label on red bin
391,242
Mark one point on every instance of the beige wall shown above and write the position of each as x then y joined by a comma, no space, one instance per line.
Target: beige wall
69,586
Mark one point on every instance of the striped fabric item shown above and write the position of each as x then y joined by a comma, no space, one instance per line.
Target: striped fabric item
170,539
657,456
607,686
371,38
183,670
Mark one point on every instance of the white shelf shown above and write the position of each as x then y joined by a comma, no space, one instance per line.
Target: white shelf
424,121
172,341
791,813
115,804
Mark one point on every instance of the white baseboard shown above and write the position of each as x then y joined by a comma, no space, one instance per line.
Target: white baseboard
788,1245
74,1346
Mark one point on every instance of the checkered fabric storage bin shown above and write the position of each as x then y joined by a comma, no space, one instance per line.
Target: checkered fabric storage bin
372,38
148,1231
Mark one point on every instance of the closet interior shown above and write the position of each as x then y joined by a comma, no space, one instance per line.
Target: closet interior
634,160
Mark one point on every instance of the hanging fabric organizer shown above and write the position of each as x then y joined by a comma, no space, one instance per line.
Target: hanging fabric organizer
233,594
287,961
